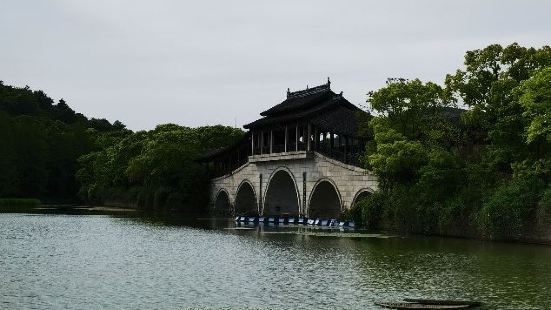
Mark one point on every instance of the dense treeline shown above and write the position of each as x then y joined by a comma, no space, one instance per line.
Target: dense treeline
481,171
40,144
154,169
52,153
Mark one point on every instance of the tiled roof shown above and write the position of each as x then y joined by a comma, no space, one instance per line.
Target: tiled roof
310,111
301,99
309,103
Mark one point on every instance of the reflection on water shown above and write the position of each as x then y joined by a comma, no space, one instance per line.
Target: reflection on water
151,262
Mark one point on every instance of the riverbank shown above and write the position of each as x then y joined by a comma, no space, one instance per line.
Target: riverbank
38,207
540,233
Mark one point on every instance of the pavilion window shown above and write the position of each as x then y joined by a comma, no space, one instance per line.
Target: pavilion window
278,140
291,138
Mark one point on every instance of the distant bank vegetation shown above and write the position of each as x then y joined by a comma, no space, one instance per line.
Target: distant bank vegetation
470,156
19,203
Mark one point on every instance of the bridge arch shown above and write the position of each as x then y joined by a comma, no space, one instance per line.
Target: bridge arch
282,195
245,199
362,193
325,200
222,202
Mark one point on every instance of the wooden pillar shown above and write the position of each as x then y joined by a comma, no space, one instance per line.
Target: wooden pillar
271,140
252,142
296,138
309,145
316,139
332,143
286,134
261,142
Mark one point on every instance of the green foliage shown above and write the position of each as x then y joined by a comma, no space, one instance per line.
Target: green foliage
545,202
371,209
535,97
41,143
442,169
511,208
156,169
409,106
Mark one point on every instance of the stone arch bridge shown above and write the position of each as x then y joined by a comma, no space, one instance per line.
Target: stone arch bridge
308,184
300,158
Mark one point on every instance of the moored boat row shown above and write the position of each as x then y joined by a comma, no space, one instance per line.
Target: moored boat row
290,220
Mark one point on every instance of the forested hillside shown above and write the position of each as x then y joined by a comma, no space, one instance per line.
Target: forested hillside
50,152
41,142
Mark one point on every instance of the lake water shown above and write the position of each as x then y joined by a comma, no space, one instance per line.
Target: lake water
56,261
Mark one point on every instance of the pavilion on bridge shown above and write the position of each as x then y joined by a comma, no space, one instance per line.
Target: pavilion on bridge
311,120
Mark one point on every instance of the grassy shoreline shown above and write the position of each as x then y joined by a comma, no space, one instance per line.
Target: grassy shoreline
20,202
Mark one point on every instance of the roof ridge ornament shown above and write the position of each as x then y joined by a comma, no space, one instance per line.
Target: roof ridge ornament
309,90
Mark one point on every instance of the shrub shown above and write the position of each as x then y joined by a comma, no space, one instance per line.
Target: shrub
511,206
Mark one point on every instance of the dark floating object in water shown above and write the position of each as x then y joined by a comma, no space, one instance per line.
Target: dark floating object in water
443,302
415,303
411,305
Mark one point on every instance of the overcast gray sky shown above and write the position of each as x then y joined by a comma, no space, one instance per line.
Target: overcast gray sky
208,62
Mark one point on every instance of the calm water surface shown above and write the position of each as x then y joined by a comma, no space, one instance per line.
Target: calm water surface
54,261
